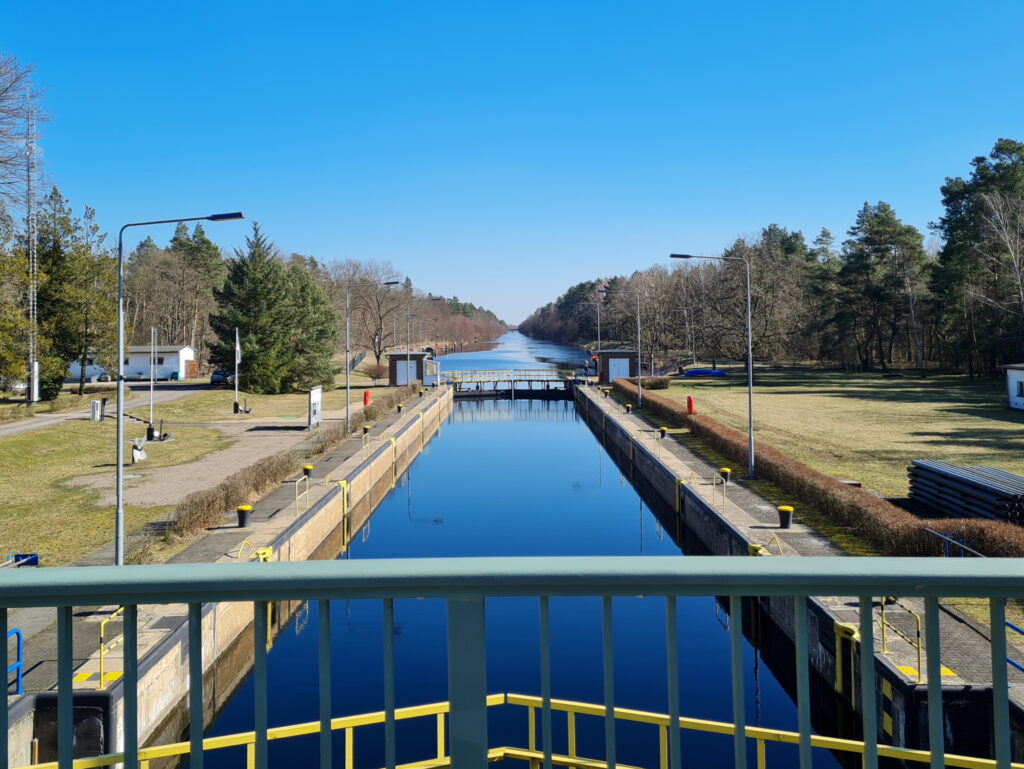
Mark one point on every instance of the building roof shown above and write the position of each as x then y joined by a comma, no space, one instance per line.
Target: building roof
1015,366
615,352
164,348
410,354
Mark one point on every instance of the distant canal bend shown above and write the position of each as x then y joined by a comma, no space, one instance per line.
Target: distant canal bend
523,478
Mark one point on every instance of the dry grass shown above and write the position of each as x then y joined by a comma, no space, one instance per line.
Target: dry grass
868,426
889,529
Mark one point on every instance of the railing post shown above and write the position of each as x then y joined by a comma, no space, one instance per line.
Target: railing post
65,694
467,683
3,705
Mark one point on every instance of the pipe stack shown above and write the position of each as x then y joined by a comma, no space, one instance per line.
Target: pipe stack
967,492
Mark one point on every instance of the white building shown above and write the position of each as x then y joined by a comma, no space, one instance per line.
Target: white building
1015,385
172,362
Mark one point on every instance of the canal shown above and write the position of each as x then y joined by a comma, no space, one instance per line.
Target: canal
523,478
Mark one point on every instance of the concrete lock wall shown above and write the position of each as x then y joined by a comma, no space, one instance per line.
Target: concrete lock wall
901,705
227,657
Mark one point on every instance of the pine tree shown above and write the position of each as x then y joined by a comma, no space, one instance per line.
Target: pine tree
314,331
257,300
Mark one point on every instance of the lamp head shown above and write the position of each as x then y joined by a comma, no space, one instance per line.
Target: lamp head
683,256
390,283
225,217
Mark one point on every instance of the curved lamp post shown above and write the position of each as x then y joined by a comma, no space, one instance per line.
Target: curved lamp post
348,363
639,363
750,356
119,471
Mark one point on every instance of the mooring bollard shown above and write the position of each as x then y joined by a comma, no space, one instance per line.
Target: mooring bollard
243,515
366,429
307,470
726,474
785,516
663,431
399,408
629,408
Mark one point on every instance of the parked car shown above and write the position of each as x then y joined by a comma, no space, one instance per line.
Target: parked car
19,387
222,376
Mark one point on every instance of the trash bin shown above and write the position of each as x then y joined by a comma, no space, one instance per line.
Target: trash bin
175,376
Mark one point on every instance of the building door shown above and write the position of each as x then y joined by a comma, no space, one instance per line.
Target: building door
405,371
618,368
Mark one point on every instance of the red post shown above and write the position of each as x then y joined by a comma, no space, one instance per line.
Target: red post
366,398
690,406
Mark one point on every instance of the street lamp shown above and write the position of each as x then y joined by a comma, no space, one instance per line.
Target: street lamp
119,471
348,363
750,357
639,363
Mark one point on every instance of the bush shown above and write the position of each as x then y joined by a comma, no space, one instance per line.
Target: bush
888,528
652,382
66,402
15,412
375,370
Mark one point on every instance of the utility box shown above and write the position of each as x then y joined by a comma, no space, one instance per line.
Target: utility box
615,364
406,367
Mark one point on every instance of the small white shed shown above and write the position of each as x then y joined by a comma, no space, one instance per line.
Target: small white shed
1015,385
172,362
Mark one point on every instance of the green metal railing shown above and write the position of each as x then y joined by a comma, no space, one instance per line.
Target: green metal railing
466,583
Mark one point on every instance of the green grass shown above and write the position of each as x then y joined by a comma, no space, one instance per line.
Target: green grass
868,427
42,514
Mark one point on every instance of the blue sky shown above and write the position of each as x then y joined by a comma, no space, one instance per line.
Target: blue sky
501,151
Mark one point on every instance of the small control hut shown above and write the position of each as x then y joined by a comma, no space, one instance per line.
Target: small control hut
405,367
615,364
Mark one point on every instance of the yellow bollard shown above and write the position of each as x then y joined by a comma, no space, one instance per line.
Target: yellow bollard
726,473
307,470
663,431
243,515
785,516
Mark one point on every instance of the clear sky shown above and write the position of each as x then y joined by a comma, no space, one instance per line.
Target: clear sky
503,150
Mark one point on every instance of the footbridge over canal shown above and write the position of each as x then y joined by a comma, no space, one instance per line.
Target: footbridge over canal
511,383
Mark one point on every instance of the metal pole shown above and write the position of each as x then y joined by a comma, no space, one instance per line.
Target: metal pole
639,360
119,459
750,382
348,317
238,350
152,369
599,328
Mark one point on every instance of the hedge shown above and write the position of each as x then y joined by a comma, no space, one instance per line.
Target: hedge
890,529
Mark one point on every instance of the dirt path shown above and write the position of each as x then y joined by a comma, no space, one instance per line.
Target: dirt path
160,486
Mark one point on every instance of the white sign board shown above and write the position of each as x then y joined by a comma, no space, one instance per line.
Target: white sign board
315,400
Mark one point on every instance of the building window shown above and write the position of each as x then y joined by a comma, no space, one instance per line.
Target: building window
1020,388
126,361
88,361
160,361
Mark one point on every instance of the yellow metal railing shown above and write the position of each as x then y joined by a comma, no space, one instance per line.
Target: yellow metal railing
915,642
303,481
439,758
105,647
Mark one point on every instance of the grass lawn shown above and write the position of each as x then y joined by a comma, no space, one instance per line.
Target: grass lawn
62,523
868,427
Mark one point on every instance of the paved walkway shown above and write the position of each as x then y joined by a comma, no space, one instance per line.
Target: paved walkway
964,642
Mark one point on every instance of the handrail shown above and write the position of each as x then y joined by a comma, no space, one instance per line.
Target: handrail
19,662
545,575
915,643
438,710
1012,662
104,647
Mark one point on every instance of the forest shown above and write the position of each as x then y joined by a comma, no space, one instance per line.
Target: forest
876,300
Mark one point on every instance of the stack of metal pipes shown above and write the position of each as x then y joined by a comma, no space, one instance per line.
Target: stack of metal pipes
974,492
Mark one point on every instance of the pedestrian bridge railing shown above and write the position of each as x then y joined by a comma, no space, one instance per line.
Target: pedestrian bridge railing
508,377
466,584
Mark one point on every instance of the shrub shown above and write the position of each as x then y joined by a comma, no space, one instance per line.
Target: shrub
65,402
15,412
889,528
652,382
375,370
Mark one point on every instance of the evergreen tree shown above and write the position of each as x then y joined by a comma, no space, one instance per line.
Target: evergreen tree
257,299
314,331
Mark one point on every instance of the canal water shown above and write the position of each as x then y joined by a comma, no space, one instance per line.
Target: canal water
523,478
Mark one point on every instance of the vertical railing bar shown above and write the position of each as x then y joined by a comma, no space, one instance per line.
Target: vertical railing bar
672,659
131,686
936,738
324,672
4,663
609,681
869,713
65,702
467,682
195,685
545,678
259,669
803,686
736,658
1000,698
389,683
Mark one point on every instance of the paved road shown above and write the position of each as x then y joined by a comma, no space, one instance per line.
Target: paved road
162,392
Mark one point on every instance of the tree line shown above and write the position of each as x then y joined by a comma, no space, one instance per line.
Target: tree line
876,300
290,310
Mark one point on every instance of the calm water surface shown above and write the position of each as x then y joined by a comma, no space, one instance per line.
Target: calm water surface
514,479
